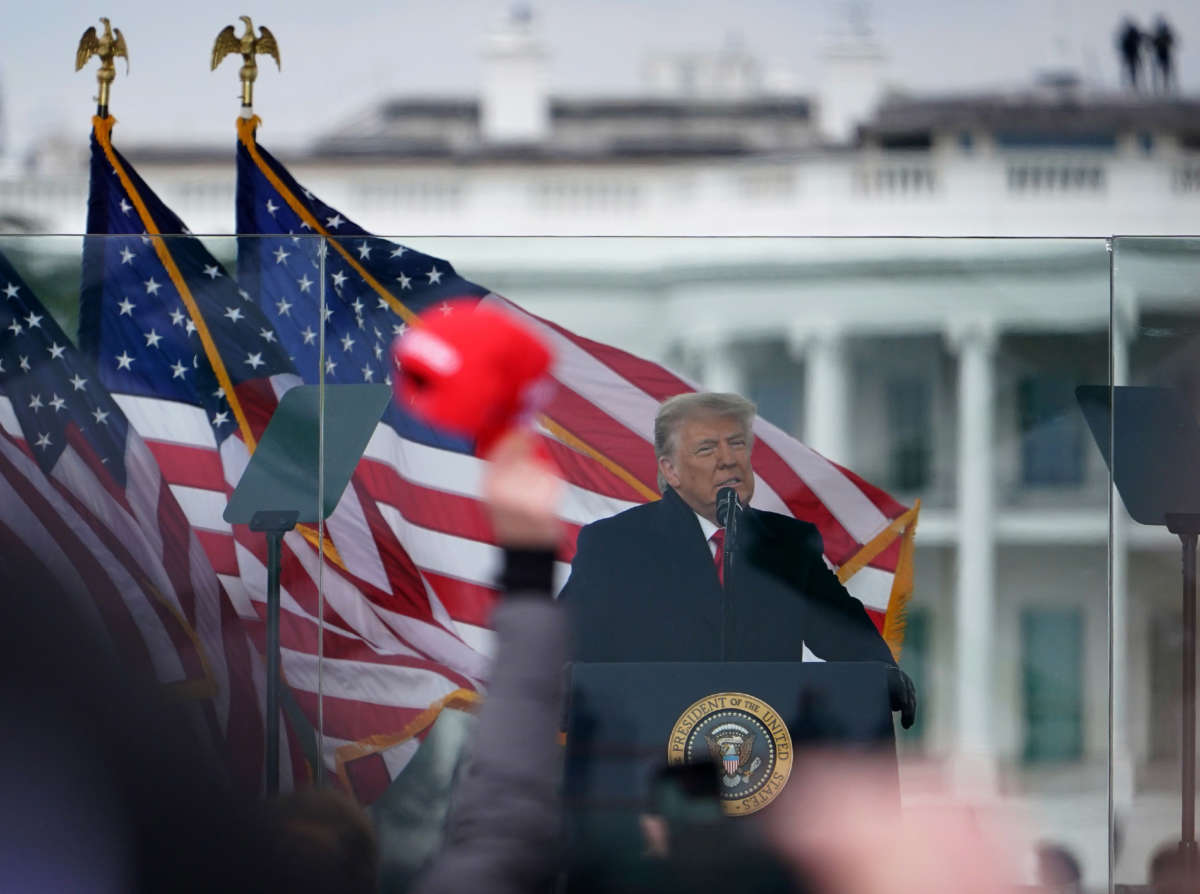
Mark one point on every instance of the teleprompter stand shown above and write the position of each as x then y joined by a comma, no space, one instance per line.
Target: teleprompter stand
1151,442
288,482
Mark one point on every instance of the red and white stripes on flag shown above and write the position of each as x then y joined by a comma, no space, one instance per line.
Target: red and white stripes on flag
128,560
383,663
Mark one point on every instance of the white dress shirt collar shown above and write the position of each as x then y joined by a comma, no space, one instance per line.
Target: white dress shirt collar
709,529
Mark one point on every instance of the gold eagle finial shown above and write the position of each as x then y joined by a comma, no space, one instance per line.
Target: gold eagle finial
107,46
248,45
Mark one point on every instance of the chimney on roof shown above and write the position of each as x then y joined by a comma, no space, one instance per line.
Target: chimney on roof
729,73
515,103
853,65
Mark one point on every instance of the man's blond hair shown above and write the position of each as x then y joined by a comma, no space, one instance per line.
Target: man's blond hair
674,411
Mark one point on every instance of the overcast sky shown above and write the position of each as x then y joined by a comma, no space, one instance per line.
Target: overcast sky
339,58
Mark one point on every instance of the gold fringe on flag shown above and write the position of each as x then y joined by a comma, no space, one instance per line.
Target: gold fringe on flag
904,526
896,620
458,700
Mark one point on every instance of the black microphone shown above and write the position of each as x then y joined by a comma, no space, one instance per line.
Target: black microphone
729,516
729,513
728,508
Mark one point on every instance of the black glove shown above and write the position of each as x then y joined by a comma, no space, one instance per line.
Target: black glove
902,695
528,573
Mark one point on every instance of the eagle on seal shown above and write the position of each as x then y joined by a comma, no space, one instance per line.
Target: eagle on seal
733,756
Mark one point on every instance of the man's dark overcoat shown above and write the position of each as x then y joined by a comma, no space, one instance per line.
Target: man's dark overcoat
644,587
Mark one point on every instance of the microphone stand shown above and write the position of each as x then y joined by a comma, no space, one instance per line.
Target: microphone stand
729,511
731,539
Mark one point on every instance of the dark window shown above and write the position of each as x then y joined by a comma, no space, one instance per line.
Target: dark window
1033,139
775,381
914,140
966,141
777,401
1052,683
1146,141
910,433
915,659
1186,178
1051,432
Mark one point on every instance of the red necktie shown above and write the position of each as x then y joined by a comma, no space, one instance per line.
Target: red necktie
718,538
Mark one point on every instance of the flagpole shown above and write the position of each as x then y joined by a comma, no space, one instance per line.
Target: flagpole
107,46
272,524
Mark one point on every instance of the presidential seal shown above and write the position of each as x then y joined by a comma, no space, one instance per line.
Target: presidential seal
746,738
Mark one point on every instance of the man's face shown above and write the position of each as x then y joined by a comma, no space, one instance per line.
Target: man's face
711,452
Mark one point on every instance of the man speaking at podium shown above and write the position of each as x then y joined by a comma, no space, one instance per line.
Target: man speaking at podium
701,576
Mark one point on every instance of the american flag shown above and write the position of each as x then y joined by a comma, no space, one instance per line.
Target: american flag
599,427
81,494
199,368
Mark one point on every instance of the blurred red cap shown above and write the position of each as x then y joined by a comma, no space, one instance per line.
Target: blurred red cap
471,369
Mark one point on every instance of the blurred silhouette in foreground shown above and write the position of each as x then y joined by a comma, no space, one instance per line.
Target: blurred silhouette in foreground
839,832
483,375
691,845
503,832
1058,870
320,840
1168,870
107,785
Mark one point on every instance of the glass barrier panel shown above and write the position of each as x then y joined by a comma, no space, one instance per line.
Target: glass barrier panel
1156,308
916,412
936,370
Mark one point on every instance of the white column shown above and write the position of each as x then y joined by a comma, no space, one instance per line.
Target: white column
975,585
827,391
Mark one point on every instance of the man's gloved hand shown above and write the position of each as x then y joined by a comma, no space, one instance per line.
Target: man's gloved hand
903,696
